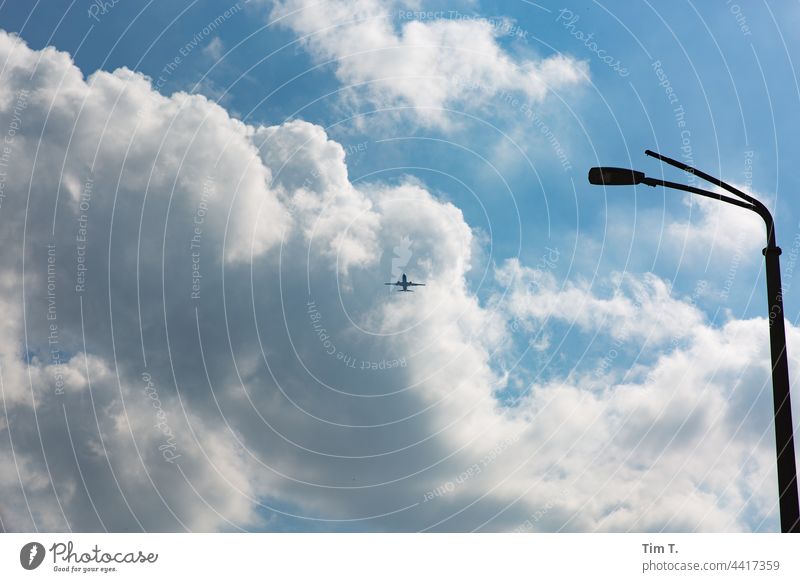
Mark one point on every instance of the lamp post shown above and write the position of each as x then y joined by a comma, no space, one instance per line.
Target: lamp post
784,439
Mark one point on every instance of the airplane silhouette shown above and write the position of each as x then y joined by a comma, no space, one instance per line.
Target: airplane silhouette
405,284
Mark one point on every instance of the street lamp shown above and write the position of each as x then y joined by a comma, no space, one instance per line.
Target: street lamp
784,438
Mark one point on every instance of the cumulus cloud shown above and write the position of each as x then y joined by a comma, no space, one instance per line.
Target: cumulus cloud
536,296
197,339
387,55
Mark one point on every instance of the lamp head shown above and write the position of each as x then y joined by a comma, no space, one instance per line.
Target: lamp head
615,176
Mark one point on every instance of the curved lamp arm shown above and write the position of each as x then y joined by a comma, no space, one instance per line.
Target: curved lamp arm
754,204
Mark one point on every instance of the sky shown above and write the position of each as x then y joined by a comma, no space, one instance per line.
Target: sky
200,203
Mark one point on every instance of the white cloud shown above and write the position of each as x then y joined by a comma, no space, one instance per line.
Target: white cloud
386,56
309,171
640,307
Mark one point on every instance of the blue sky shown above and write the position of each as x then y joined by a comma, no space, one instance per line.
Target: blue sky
605,342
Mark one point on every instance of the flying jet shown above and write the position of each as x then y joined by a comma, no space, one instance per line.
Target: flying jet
405,284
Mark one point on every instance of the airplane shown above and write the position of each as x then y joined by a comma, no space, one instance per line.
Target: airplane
405,284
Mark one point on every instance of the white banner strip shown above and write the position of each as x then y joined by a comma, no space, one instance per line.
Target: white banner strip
400,557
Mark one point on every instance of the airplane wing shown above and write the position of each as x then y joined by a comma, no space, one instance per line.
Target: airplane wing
398,283
416,284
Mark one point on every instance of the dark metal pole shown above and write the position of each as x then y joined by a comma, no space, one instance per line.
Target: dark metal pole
784,437
784,429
